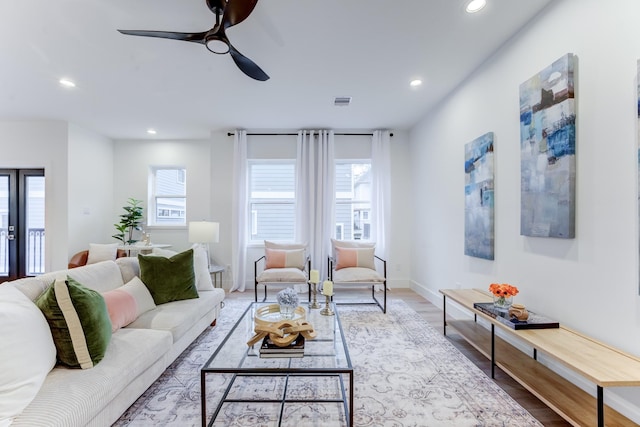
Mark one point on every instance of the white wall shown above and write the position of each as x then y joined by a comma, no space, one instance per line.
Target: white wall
43,144
589,283
90,202
132,162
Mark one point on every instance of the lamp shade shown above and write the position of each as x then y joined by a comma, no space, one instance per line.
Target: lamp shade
203,231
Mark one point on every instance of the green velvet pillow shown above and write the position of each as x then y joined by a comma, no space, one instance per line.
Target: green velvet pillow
169,279
79,322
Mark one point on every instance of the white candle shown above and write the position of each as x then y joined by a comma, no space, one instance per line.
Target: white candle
314,276
327,287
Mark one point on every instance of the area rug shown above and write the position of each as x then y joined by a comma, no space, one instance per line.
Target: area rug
406,375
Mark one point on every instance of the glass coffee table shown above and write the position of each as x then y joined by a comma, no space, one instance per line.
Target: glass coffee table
279,391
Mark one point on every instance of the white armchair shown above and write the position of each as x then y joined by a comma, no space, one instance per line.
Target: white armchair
282,264
355,263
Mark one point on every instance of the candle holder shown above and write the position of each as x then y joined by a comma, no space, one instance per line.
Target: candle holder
326,311
314,302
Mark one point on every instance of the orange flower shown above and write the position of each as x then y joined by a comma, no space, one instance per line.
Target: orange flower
503,290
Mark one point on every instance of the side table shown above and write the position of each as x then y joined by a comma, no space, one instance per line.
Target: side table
216,271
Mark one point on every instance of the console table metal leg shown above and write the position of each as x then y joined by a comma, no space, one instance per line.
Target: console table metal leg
493,351
351,388
444,315
600,407
203,400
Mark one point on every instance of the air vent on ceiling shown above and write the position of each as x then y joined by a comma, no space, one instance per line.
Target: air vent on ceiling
342,101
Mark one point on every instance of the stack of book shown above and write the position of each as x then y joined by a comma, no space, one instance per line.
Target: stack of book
270,349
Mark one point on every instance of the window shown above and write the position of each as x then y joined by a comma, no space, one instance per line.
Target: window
167,198
353,200
272,200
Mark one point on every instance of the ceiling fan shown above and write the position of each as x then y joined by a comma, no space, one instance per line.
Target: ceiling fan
228,13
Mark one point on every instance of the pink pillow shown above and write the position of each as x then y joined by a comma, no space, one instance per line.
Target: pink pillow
126,303
283,258
354,257
122,308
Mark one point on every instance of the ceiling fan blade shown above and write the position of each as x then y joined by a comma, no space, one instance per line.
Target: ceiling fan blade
187,37
237,11
247,66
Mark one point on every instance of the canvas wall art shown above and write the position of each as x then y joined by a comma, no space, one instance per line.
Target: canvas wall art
478,193
547,152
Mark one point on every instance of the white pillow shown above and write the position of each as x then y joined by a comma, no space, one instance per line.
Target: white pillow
288,246
102,252
201,269
27,352
167,253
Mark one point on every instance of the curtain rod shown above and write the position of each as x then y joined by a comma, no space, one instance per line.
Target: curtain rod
295,134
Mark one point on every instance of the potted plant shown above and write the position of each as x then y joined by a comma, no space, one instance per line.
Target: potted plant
129,221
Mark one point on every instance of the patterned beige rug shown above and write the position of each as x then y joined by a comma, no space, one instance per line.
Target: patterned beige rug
406,375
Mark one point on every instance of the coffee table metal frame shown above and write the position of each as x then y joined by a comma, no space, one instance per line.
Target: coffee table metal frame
286,372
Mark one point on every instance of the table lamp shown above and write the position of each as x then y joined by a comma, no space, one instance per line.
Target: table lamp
204,232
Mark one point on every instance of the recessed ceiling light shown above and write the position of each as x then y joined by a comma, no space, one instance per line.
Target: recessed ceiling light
66,82
151,131
476,5
415,83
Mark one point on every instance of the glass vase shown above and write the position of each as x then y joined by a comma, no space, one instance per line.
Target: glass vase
287,311
502,303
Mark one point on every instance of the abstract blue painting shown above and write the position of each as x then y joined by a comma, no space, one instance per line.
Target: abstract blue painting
478,197
548,152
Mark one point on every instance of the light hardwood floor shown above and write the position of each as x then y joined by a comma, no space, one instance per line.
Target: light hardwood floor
433,315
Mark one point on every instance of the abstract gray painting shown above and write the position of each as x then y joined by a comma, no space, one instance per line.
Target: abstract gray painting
548,151
478,197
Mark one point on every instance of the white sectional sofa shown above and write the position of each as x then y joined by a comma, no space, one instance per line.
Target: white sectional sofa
135,357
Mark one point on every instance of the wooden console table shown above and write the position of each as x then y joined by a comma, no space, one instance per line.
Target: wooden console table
601,364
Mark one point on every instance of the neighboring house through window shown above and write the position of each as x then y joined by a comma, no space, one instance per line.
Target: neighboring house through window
271,200
353,199
167,196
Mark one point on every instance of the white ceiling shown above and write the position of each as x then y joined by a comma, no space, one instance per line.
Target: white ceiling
312,50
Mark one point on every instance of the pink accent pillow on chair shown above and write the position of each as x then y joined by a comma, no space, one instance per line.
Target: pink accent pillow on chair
355,257
283,258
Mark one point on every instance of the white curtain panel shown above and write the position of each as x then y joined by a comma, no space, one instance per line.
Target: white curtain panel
380,190
315,194
239,217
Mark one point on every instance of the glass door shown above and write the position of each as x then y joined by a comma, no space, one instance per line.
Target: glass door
22,233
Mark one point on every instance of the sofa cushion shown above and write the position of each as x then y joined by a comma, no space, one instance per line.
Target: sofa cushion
33,287
102,276
354,257
179,316
127,303
27,352
169,279
73,397
79,322
129,267
102,252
